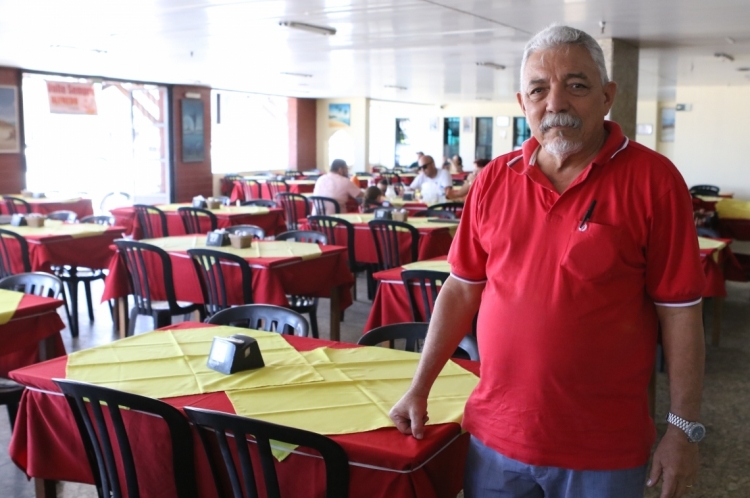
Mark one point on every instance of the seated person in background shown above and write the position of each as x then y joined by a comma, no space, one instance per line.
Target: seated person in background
430,174
336,185
457,164
383,185
463,190
373,199
415,164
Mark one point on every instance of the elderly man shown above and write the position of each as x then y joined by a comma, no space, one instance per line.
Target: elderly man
336,185
430,174
574,250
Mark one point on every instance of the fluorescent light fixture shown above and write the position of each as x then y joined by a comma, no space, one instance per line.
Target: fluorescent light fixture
743,69
396,87
729,40
722,55
300,75
321,30
492,65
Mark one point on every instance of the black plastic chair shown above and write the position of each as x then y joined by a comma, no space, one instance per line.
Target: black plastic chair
239,428
413,334
428,282
150,229
261,203
276,187
114,200
8,253
386,235
191,219
320,204
435,213
63,215
136,255
101,219
251,189
391,177
453,207
10,396
708,190
88,402
295,206
265,317
256,231
16,205
309,236
211,271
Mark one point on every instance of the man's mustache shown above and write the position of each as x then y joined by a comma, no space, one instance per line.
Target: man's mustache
560,119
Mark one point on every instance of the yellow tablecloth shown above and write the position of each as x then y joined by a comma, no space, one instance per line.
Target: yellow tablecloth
733,208
259,249
705,243
163,364
54,227
9,301
429,265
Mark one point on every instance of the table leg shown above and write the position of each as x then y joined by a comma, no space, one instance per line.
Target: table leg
121,312
335,313
716,332
47,348
45,488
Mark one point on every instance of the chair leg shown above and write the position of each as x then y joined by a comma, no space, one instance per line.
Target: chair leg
370,283
12,413
87,289
133,319
354,287
314,319
72,325
73,292
162,319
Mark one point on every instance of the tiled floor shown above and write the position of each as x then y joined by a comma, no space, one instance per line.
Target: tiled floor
725,454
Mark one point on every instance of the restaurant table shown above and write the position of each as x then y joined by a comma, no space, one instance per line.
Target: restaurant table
383,463
80,206
32,334
301,186
271,220
274,278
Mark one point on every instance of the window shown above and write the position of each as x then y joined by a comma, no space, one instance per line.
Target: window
521,132
483,138
451,136
341,146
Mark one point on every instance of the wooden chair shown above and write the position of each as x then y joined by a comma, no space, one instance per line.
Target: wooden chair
151,230
263,317
386,234
261,461
214,282
192,217
256,231
320,204
63,215
276,187
453,207
16,205
88,403
8,253
428,282
261,203
139,257
295,206
414,334
435,213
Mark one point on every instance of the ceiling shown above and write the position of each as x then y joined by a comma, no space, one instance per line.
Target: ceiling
403,50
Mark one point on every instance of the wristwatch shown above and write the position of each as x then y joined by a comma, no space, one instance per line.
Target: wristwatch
695,430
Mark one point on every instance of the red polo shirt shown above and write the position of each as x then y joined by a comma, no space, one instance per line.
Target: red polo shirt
567,326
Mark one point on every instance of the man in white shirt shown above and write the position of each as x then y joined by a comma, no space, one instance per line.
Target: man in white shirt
430,174
336,185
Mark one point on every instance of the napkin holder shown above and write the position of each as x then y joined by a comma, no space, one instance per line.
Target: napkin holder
400,215
408,196
35,220
234,354
382,214
213,203
39,195
240,240
18,220
217,238
199,202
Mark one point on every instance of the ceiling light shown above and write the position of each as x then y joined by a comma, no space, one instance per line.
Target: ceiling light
300,75
722,55
321,30
396,87
499,67
729,40
743,69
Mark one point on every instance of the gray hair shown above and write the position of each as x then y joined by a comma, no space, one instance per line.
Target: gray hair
554,36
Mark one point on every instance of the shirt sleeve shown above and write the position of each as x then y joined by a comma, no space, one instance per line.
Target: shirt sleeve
467,256
353,190
417,182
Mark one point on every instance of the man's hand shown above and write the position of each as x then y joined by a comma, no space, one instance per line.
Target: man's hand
410,414
676,460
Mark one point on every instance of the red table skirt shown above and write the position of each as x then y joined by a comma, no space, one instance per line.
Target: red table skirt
81,207
238,191
383,463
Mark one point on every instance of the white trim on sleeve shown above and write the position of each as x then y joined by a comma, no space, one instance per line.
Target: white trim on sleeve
679,305
473,282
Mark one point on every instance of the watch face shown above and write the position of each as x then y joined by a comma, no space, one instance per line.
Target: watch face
697,432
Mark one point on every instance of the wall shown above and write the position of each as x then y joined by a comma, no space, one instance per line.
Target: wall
358,128
711,140
13,166
423,138
190,179
302,116
648,113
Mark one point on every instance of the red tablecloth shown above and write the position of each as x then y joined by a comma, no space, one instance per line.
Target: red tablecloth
383,463
238,191
271,222
81,207
34,320
273,278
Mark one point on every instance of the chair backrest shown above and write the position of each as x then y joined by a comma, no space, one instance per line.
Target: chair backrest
36,283
435,213
386,234
114,200
310,236
263,317
390,177
88,402
321,204
9,252
295,207
709,190
16,205
413,334
261,202
256,231
447,206
276,187
251,189
328,225
223,424
142,258
428,282
192,217
63,215
102,219
151,230
212,267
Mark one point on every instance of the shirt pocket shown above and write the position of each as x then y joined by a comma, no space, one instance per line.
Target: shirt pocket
594,253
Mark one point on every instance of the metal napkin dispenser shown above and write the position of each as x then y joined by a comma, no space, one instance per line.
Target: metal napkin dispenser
199,202
382,214
217,238
234,354
18,220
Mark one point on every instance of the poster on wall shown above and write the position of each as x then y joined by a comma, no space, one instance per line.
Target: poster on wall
467,124
667,124
193,140
10,142
339,115
71,98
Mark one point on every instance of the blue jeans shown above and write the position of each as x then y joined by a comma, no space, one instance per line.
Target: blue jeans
492,475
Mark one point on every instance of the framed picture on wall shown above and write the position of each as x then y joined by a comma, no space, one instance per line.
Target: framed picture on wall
193,140
467,124
10,140
339,115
